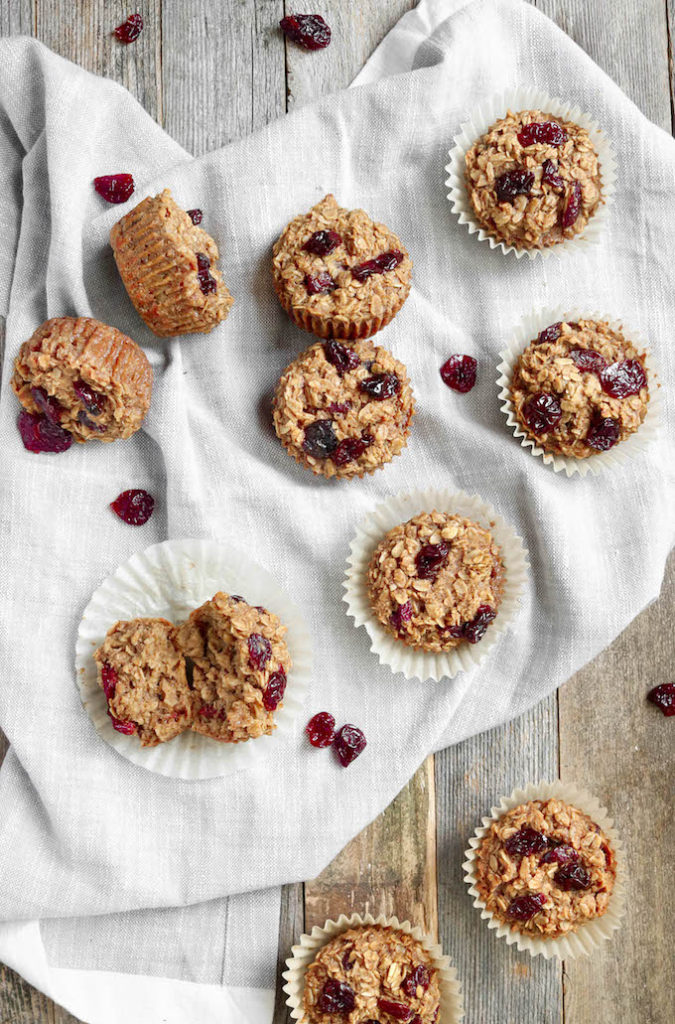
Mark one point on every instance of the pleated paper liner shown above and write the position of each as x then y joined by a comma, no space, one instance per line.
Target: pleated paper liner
414,663
591,934
481,119
170,580
302,955
634,445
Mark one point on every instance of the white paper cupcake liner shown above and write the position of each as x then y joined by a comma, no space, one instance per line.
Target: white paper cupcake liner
413,663
452,1011
170,580
634,445
481,119
590,935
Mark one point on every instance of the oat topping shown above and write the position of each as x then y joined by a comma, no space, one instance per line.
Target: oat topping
240,664
545,867
533,180
375,973
344,410
338,273
436,581
579,388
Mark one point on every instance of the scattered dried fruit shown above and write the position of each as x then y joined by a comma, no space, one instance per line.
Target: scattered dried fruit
321,729
475,630
546,133
561,854
588,359
322,243
381,386
349,449
512,184
319,284
342,357
274,691
93,401
603,433
109,680
399,1011
380,265
663,697
619,380
349,742
401,614
129,30
572,875
542,412
339,408
418,978
459,373
115,188
307,30
430,559
134,507
39,434
320,440
128,728
551,177
525,907
47,404
259,650
207,282
526,841
195,216
336,997
572,205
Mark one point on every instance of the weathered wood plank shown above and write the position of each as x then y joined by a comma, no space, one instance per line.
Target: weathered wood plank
291,927
501,986
621,748
670,26
17,17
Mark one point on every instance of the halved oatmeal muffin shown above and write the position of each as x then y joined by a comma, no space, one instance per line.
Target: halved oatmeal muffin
344,410
338,273
240,663
533,179
436,581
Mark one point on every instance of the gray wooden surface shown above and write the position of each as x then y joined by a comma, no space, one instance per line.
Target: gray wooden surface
211,72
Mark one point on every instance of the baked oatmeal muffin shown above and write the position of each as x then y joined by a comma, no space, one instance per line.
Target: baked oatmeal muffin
141,670
545,868
168,266
344,410
580,388
533,179
88,379
436,581
372,973
339,274
239,666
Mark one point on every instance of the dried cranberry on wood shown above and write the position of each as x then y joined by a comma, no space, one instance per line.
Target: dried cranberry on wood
663,697
307,30
129,30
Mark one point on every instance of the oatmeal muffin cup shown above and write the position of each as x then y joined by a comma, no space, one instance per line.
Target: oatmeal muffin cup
362,969
546,871
435,577
240,664
168,266
530,174
141,670
85,378
343,411
339,274
578,390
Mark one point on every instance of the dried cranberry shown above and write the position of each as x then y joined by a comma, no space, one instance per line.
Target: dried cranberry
207,282
512,184
572,205
47,404
542,412
522,908
321,729
347,963
89,424
430,559
237,598
319,284
115,188
320,440
339,408
41,435
349,742
526,841
109,680
133,507
459,373
416,1019
572,875
547,133
336,997
588,359
93,401
349,449
195,216
129,30
307,30
663,697
259,650
321,243
128,728
274,691
549,334
341,357
208,711
399,1011
551,177
380,265
381,386
619,380
561,854
603,433
418,978
401,614
475,630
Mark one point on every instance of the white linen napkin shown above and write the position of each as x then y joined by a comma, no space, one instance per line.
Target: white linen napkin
89,843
